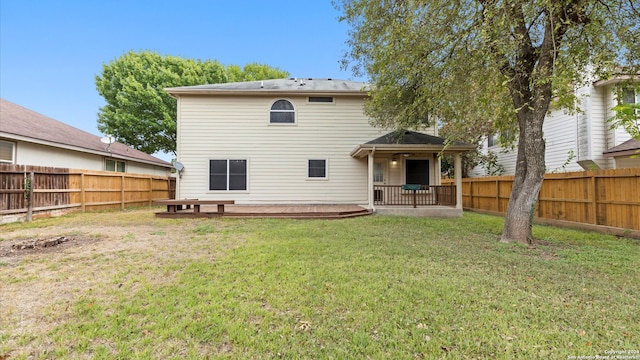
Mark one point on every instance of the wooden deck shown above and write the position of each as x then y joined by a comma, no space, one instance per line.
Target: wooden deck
274,211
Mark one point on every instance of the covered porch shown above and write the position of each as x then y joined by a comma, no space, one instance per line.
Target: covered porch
404,174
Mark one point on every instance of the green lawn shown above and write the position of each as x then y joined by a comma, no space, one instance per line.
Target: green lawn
371,287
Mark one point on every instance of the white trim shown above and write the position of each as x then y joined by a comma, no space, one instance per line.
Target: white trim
326,170
115,167
227,190
14,146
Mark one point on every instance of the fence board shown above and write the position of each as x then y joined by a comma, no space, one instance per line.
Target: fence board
72,189
600,197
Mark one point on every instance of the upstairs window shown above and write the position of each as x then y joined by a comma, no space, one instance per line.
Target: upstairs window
7,152
628,96
282,112
492,140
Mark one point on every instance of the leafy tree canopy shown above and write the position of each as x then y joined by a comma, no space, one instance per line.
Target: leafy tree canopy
139,113
495,61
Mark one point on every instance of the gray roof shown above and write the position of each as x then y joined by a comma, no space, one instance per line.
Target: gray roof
24,123
406,137
301,85
630,146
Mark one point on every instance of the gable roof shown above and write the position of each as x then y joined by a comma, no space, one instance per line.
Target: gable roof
629,147
408,137
302,86
406,140
19,123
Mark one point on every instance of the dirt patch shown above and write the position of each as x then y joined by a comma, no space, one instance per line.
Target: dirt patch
23,247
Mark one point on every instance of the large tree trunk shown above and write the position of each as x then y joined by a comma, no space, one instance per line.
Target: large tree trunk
530,170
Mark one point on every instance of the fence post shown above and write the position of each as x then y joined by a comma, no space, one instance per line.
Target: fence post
498,194
83,199
29,187
150,190
122,193
594,202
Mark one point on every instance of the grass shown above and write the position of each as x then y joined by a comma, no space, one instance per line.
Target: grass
373,287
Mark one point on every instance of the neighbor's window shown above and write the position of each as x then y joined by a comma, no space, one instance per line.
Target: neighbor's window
282,112
628,96
492,140
321,99
317,169
417,172
7,152
114,165
228,175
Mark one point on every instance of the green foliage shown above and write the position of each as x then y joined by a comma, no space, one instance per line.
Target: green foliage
139,113
484,61
456,61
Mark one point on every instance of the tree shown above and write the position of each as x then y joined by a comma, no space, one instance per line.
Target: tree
139,113
504,60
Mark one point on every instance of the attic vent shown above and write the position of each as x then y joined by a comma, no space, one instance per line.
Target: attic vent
321,99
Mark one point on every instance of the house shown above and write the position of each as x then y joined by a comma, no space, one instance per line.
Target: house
29,138
305,141
582,140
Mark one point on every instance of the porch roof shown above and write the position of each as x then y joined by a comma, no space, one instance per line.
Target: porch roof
409,141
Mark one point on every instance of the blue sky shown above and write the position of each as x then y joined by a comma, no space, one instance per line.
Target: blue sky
51,51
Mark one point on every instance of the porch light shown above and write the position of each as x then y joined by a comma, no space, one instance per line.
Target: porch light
394,160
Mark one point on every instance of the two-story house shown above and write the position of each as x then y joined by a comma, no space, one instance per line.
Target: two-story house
582,140
305,141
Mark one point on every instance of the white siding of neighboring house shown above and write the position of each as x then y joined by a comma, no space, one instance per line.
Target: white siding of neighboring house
615,136
586,133
42,155
233,127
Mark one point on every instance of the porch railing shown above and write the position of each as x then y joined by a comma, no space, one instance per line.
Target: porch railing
428,195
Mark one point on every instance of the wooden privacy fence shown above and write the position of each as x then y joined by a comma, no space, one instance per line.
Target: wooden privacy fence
597,197
27,190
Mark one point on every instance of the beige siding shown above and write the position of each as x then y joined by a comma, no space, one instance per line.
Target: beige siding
627,161
43,155
238,128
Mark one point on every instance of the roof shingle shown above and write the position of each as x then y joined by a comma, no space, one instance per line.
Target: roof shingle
22,122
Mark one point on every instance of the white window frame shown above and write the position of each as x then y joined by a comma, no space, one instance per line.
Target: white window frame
227,190
115,165
326,169
383,171
294,111
13,153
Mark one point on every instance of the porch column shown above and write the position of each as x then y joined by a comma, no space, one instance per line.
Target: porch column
457,168
370,180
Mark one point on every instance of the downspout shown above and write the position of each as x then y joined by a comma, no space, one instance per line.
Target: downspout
370,177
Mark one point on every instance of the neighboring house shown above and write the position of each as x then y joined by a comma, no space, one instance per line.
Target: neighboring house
625,155
301,141
29,138
578,141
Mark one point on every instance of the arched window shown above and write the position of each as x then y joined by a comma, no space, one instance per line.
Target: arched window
282,112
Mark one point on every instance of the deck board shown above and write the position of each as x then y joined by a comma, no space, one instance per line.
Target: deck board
281,211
